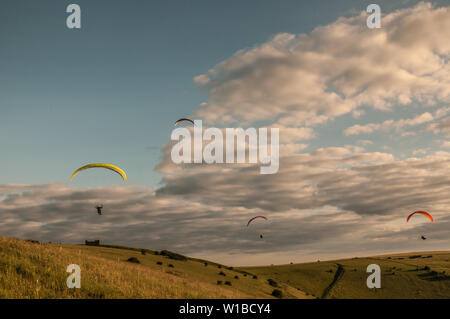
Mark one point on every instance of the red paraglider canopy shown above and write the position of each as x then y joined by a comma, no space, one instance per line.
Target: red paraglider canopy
421,212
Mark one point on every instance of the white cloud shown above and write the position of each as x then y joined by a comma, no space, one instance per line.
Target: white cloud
334,70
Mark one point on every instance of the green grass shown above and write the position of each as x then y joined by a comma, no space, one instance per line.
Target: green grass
33,270
401,276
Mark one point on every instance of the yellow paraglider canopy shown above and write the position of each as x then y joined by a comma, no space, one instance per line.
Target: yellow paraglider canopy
103,165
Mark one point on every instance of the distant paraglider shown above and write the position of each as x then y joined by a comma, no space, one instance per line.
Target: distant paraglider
99,209
107,166
184,120
252,219
421,212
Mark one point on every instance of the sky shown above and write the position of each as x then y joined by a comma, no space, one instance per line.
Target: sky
363,117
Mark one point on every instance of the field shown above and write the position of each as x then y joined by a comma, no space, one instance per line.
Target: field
37,270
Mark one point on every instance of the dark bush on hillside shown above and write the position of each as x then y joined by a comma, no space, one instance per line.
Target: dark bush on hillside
236,277
230,268
156,253
32,241
255,277
277,293
159,262
228,283
133,260
330,270
143,252
414,256
171,266
173,255
219,282
206,264
272,282
219,266
426,268
222,273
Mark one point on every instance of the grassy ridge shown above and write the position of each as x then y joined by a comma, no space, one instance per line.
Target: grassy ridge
34,270
412,275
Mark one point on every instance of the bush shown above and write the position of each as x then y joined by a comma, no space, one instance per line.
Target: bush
426,268
172,255
245,275
236,277
133,260
171,266
219,282
32,241
206,264
228,283
219,266
222,273
255,277
272,282
156,253
230,268
143,251
277,293
159,262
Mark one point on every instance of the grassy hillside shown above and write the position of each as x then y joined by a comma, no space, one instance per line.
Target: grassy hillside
34,270
412,275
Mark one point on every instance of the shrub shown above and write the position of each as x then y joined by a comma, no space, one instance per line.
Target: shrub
426,268
222,273
171,266
230,268
159,262
228,283
206,264
156,253
277,293
255,277
236,277
272,282
173,255
143,251
219,282
219,266
133,260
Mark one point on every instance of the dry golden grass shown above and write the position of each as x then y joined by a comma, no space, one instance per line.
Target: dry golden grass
31,270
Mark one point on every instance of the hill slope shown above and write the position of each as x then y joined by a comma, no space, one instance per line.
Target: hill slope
412,275
34,270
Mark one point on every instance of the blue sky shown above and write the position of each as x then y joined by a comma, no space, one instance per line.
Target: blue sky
111,91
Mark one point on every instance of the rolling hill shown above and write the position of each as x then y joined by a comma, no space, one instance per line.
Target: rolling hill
36,270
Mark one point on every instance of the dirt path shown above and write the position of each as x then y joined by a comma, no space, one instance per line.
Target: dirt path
339,273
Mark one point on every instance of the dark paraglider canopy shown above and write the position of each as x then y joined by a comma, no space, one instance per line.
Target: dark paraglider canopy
99,209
